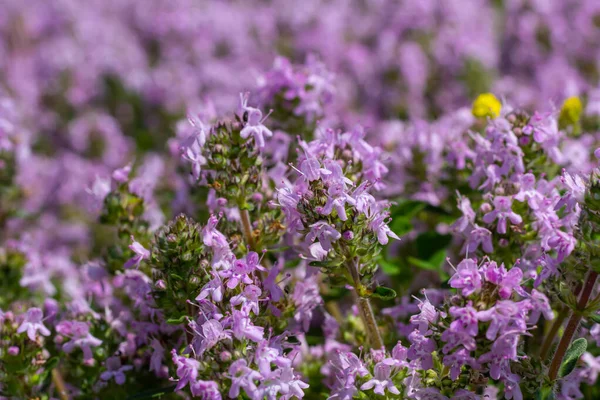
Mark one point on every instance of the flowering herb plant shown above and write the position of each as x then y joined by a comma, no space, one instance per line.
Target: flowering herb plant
261,200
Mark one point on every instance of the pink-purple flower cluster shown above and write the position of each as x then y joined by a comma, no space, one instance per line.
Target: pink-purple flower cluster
197,199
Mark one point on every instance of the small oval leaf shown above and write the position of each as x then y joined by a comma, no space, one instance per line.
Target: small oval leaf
384,293
575,350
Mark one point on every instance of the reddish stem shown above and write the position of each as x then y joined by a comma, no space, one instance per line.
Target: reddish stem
572,325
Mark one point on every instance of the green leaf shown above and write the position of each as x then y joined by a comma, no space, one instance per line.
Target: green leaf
545,393
401,225
390,268
402,214
384,293
176,277
319,264
177,321
575,350
430,243
594,317
434,263
404,208
325,263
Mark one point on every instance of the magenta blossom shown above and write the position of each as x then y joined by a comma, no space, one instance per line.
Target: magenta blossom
33,324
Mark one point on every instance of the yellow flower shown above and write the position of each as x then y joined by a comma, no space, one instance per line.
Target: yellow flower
570,111
486,105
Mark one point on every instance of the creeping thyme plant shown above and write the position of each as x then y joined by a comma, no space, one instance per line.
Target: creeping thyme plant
299,200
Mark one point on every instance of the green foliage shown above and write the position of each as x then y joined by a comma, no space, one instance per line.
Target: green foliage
20,375
11,270
10,193
384,293
477,78
575,350
149,124
545,393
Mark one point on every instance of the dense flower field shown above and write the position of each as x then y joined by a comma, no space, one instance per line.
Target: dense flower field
319,199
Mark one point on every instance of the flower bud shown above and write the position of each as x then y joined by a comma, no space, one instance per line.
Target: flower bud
160,284
225,356
485,208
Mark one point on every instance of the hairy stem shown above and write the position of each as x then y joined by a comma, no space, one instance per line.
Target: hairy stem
572,325
59,382
365,309
560,319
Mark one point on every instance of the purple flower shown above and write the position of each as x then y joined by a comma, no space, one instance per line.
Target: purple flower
528,191
421,349
291,384
187,370
462,394
243,377
502,212
349,363
479,236
244,329
325,233
211,237
563,243
505,316
140,254
467,277
115,370
306,298
272,286
212,333
100,189
121,175
507,282
254,123
266,355
191,151
33,323
378,225
456,360
241,270
158,354
79,333
468,215
337,200
465,319
540,305
248,299
214,289
381,381
206,390
427,316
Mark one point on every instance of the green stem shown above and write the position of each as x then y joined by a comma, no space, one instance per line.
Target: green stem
364,307
59,384
572,325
